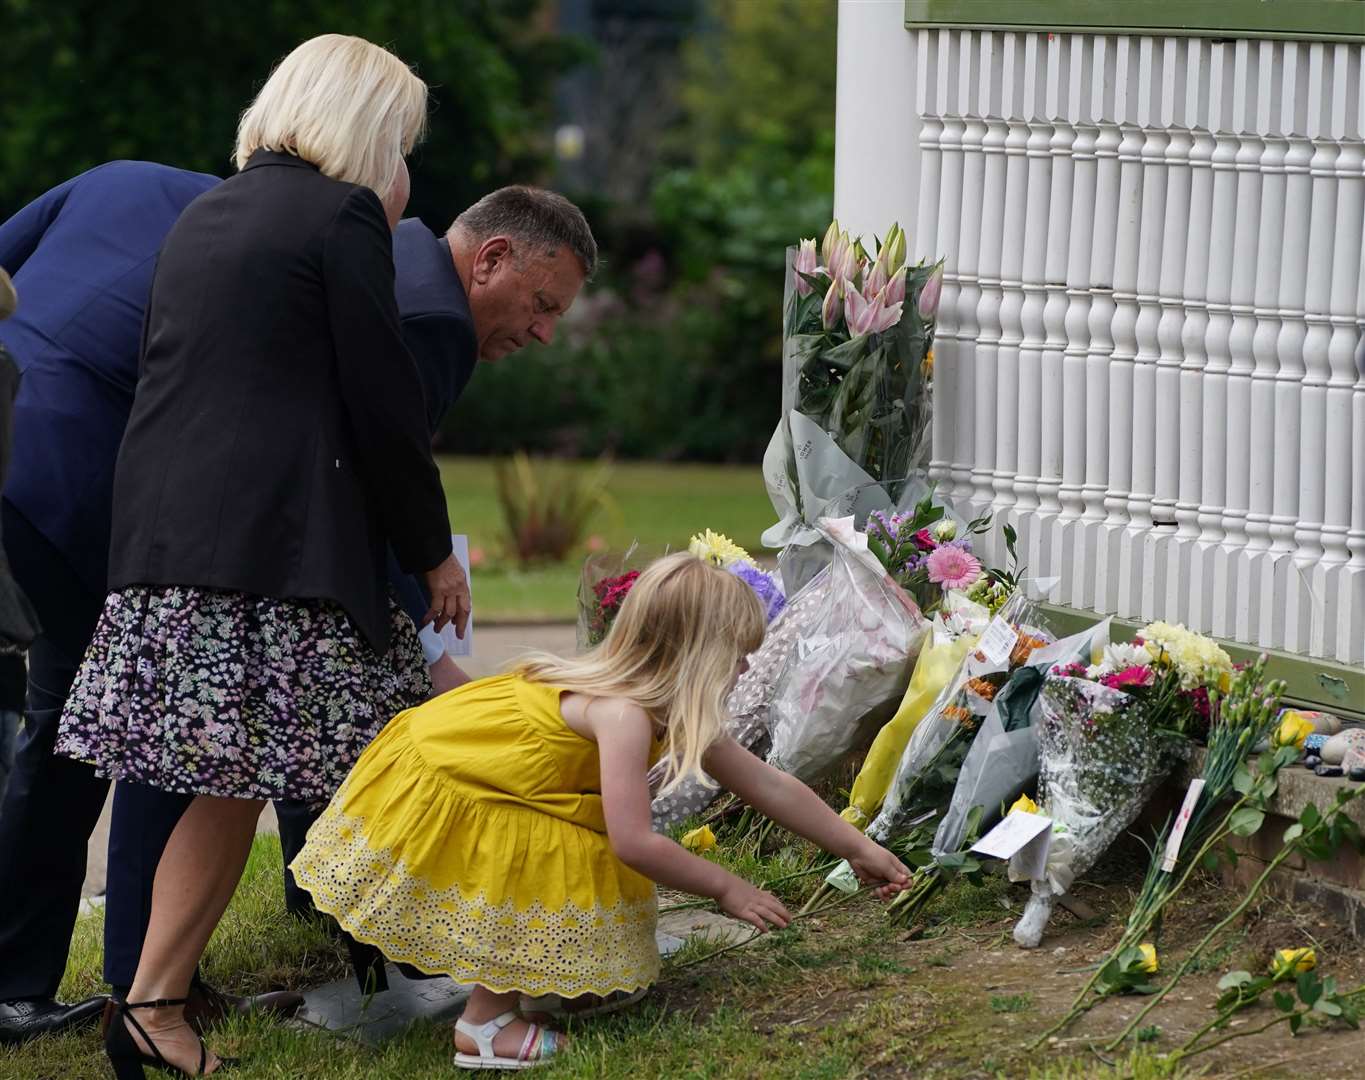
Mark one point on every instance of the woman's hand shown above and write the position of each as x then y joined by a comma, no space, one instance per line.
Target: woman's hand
873,863
750,903
449,596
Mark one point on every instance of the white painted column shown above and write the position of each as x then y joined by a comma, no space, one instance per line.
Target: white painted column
1349,583
1009,413
1161,555
1033,294
1068,537
1089,586
1133,543
933,232
876,163
1256,567
1042,552
964,103
1278,566
990,104
1122,422
1207,591
1180,575
1231,611
1306,607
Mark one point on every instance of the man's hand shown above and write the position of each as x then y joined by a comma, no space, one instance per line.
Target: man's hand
446,675
449,596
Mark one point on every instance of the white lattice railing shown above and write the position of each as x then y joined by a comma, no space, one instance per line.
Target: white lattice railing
1149,352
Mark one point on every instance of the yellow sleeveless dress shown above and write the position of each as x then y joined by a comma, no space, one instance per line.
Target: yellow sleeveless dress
469,840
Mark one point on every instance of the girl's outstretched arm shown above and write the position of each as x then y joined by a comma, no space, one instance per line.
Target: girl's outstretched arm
622,732
794,806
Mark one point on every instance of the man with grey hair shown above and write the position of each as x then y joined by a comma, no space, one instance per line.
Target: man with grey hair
522,254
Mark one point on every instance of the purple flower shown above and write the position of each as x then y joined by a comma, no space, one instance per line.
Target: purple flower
767,590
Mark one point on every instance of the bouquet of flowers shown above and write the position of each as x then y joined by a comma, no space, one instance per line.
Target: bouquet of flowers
932,760
607,579
1003,760
922,551
851,664
1110,732
857,367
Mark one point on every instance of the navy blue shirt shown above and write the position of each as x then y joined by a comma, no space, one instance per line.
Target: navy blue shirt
82,258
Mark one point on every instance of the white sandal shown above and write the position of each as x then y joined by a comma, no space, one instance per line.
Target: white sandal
537,1048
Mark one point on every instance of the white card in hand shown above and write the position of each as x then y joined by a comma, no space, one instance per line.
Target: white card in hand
1027,835
460,646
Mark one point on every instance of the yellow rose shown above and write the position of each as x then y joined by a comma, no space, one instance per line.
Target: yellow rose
1025,804
717,549
1149,961
1293,730
699,840
927,366
1290,962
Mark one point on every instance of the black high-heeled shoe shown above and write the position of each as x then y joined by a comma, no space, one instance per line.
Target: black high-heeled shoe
128,1060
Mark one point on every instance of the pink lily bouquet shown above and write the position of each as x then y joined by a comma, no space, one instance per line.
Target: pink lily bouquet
857,367
862,327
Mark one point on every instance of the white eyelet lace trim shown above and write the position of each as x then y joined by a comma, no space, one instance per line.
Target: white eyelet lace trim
531,949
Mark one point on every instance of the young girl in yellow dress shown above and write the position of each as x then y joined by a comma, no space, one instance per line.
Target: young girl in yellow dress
500,834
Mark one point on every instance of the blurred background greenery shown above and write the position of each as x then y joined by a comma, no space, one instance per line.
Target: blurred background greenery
697,135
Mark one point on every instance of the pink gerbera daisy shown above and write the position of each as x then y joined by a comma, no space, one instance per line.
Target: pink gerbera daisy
953,568
1132,676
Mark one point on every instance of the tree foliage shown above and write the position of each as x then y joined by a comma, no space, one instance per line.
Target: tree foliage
88,81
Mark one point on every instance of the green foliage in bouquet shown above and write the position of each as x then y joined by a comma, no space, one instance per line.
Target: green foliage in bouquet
859,333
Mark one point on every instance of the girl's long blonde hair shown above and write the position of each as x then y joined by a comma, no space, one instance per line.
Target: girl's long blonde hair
346,105
673,650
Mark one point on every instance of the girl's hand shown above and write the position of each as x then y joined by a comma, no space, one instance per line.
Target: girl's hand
750,903
873,863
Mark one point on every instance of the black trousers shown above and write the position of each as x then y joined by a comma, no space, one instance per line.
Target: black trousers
52,803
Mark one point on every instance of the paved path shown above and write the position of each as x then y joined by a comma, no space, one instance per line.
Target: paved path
494,647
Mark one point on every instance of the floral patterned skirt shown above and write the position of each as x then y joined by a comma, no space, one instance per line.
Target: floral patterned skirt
209,692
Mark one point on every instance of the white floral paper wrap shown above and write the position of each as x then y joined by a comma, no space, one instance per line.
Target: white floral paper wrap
851,664
1101,758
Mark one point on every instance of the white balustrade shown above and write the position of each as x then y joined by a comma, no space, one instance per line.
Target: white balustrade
1149,356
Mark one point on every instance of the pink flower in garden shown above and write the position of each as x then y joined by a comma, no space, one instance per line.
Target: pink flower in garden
477,556
953,568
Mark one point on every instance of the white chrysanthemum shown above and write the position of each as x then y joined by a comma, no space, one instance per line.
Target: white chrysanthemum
1118,657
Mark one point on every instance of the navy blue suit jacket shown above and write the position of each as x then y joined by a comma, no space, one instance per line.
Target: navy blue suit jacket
82,258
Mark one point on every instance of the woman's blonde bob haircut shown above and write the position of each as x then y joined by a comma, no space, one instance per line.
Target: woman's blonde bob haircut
347,106
673,650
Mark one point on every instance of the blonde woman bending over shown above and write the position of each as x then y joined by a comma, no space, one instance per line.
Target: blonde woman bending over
249,649
500,833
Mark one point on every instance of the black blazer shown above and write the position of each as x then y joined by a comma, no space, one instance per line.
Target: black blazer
278,437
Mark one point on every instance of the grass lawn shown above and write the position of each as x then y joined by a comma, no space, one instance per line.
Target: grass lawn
840,995
655,504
